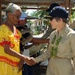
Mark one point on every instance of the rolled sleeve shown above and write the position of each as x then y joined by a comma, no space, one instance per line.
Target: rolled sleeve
43,56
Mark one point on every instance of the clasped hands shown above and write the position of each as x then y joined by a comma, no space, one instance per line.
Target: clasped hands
30,61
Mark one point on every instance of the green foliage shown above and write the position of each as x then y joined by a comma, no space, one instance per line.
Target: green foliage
39,13
24,9
72,17
54,49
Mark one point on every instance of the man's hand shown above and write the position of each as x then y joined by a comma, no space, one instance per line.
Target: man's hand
30,61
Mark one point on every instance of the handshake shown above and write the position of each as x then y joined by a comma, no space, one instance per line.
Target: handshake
29,61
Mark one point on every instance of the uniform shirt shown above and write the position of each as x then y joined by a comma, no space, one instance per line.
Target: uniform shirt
66,47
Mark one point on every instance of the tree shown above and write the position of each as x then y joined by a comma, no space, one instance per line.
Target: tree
40,14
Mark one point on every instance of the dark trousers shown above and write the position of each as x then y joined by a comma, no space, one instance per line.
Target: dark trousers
27,70
31,70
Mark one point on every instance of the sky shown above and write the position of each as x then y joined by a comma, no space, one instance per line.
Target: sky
29,11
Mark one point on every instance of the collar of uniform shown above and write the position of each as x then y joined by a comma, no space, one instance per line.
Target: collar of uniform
63,31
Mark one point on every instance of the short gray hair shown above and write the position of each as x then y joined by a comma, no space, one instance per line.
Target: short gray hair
12,8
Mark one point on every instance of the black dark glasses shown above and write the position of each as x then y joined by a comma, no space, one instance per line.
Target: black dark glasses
51,18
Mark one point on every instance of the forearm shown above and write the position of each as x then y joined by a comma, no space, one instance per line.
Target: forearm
20,65
40,40
14,53
42,57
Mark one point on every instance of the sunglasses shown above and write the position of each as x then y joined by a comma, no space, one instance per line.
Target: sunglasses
51,18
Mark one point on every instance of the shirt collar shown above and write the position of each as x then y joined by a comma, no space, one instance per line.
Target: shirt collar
63,31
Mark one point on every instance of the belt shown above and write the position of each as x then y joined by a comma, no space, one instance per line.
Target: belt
60,57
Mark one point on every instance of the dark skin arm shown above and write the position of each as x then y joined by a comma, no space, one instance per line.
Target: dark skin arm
20,65
39,40
22,61
23,58
35,41
10,51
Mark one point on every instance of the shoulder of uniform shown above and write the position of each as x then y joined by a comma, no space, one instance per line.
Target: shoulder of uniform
72,34
53,33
